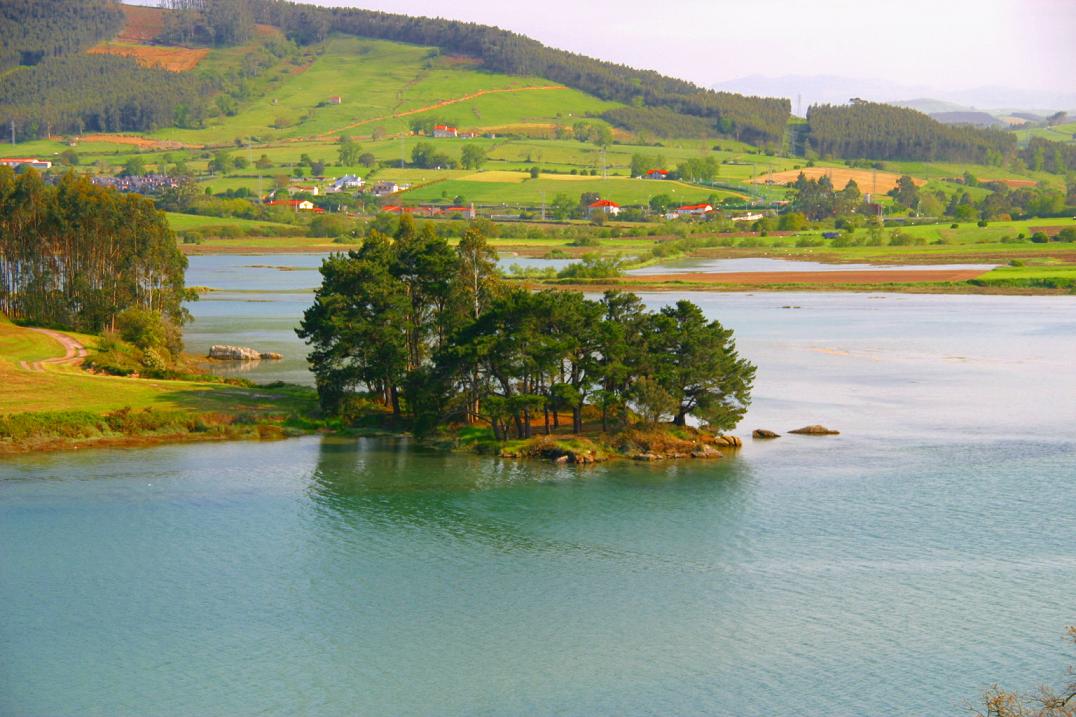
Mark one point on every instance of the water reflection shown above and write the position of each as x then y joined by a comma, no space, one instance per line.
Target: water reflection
517,506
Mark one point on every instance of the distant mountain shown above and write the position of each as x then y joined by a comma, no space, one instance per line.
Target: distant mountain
975,119
930,106
806,90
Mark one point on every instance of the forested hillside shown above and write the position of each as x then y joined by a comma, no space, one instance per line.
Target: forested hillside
32,31
51,86
878,131
752,119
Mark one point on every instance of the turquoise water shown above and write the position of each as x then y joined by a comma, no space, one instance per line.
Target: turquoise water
897,569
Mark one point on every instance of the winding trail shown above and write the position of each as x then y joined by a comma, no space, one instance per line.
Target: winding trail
74,352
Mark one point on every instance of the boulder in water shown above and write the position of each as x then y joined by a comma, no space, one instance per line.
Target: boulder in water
763,433
224,352
816,430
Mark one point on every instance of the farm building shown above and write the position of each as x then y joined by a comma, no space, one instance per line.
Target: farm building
657,174
604,206
298,205
443,130
335,100
694,210
348,181
383,189
750,217
25,162
313,191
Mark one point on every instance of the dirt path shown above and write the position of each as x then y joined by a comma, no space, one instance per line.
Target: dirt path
439,105
74,352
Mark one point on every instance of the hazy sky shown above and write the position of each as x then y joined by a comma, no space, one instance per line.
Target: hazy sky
948,44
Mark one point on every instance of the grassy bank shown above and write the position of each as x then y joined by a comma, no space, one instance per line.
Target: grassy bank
47,403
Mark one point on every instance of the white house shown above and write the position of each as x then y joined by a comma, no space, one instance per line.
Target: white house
443,130
385,188
604,206
694,210
751,217
348,181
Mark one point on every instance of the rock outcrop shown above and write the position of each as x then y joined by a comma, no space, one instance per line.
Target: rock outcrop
816,430
224,352
763,433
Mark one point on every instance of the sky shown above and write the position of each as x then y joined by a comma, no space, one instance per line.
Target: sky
947,44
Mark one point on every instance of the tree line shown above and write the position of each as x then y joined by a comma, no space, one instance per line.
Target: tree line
434,335
751,119
209,22
54,87
75,255
32,31
872,130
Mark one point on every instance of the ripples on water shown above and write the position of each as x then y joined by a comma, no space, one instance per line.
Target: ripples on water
896,569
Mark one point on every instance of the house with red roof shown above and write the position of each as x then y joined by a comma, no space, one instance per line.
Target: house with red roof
443,130
694,210
657,174
604,206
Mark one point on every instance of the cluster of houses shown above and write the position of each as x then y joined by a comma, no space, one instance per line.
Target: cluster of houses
146,184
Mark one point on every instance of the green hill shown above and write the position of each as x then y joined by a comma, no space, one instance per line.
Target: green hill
383,88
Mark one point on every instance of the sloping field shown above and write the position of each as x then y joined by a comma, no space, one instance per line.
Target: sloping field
173,59
868,180
1012,183
141,27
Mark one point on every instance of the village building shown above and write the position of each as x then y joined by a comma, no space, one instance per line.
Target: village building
657,174
694,210
385,188
604,206
348,181
26,162
299,205
750,217
335,100
443,130
313,191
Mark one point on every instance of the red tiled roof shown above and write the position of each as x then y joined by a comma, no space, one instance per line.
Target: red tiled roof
604,203
692,207
657,171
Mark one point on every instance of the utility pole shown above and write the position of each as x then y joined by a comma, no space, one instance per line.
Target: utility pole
543,206
13,132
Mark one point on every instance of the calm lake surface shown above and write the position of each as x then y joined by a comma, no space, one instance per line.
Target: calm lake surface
896,569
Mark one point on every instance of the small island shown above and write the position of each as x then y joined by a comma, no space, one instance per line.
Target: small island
410,333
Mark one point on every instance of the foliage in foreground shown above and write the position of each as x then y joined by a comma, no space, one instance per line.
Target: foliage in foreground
437,337
1044,702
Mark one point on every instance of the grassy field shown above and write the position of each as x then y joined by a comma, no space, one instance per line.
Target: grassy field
62,388
384,85
622,190
180,222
